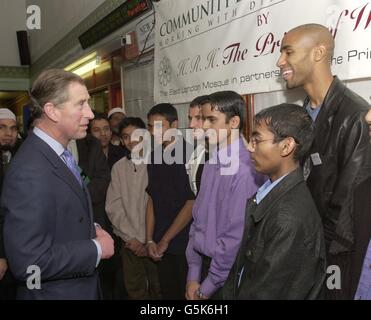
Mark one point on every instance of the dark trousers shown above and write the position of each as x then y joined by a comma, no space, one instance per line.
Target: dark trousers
140,276
111,280
8,287
344,261
172,272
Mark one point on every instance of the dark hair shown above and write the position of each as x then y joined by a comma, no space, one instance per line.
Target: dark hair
131,121
51,86
30,122
166,110
289,120
228,102
196,102
97,116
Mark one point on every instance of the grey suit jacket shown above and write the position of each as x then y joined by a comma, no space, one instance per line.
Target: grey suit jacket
48,224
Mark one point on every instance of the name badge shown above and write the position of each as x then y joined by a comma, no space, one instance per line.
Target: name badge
316,159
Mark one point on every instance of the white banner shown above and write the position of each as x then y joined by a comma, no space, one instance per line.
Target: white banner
203,46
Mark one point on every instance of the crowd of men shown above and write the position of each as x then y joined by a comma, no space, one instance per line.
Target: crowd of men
218,217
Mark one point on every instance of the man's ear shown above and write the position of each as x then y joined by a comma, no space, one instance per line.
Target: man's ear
51,111
174,124
235,122
320,53
288,146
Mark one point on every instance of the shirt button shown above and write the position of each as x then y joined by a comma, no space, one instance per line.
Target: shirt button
248,253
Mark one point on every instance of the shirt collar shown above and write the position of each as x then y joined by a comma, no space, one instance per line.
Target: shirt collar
313,112
54,144
266,188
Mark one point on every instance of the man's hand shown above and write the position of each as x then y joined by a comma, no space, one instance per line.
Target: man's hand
3,267
142,251
191,288
153,251
106,243
136,247
162,247
133,244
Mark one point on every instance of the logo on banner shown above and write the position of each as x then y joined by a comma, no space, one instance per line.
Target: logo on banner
164,72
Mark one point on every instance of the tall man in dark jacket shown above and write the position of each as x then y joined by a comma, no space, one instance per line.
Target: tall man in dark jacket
282,253
340,154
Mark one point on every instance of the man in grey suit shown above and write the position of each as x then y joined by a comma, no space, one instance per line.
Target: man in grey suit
51,243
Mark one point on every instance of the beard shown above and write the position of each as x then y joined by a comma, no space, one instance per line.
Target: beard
6,147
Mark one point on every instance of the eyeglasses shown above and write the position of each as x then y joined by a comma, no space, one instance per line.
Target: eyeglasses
255,141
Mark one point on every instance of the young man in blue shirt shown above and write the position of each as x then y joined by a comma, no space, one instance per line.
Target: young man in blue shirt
282,253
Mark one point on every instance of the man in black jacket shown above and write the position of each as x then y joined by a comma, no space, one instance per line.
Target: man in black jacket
282,253
340,154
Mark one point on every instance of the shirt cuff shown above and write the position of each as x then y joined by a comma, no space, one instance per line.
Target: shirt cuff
99,251
194,273
207,287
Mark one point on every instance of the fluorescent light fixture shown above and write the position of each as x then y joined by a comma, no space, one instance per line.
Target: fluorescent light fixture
85,68
84,65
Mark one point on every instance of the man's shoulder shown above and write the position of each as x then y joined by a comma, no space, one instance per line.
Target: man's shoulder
348,101
88,143
117,150
296,205
31,161
123,164
31,148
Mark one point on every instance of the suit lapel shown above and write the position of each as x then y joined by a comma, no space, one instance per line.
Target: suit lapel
60,168
250,208
67,176
325,117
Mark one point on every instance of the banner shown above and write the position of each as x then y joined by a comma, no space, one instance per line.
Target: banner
203,46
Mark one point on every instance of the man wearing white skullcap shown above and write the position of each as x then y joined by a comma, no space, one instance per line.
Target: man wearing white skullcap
8,146
8,129
115,116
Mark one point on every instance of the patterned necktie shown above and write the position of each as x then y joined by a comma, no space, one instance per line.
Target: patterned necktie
71,164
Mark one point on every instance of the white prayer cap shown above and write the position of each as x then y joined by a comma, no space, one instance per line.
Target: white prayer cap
7,114
116,110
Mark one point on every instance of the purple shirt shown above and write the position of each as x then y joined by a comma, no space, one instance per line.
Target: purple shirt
364,286
219,215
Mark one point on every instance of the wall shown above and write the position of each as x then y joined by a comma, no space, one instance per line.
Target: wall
138,92
264,100
57,19
12,19
138,89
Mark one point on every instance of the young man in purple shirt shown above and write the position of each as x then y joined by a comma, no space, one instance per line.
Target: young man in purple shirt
228,180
